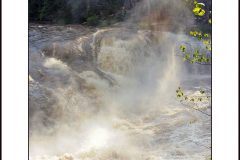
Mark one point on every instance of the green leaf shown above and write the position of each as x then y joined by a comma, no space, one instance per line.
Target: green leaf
195,55
183,48
187,56
206,42
205,35
196,51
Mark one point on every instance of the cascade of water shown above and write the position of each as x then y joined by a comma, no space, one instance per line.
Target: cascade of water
110,93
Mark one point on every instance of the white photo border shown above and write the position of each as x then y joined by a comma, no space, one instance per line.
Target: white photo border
224,79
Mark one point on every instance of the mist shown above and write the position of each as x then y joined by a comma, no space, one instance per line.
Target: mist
110,93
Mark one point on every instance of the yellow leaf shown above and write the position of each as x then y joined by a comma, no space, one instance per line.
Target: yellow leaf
206,42
199,11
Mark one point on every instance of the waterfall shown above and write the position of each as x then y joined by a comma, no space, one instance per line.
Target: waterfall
109,93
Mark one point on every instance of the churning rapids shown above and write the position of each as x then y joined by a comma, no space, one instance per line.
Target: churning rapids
110,94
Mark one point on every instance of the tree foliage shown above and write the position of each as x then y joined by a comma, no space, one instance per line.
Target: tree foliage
192,54
75,11
199,100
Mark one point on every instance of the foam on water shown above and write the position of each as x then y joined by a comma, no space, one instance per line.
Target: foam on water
110,94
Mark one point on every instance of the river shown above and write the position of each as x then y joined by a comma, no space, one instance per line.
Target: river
110,94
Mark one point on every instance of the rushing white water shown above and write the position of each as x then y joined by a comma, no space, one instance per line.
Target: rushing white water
110,94
119,104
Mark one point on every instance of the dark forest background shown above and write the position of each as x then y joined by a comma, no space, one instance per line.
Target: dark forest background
89,12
